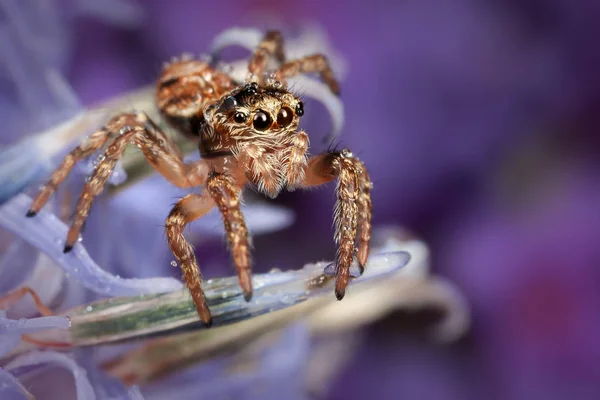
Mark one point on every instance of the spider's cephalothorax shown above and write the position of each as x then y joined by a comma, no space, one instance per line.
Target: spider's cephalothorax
248,133
258,125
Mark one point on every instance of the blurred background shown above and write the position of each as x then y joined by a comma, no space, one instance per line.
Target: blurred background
478,121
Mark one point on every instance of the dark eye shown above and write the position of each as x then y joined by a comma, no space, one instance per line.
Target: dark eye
262,121
285,117
239,117
228,104
300,109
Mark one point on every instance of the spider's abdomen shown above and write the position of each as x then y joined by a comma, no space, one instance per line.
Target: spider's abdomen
184,88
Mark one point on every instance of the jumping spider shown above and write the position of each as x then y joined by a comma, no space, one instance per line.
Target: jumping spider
248,133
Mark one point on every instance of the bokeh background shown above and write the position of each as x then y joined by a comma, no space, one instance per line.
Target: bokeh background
479,122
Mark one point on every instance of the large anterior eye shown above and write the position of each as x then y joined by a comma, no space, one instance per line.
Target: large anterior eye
262,121
285,116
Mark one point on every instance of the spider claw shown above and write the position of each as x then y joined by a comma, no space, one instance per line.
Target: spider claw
247,296
340,293
30,214
68,248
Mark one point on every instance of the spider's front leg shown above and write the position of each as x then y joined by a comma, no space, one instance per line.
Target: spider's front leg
125,129
222,191
352,216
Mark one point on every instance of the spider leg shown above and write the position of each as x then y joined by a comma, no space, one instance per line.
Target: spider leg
352,216
313,63
222,191
186,210
85,149
270,46
226,195
130,128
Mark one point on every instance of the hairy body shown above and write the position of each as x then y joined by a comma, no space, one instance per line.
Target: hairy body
248,134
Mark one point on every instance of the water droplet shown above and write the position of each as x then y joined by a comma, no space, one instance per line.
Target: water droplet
88,179
288,299
173,263
89,309
224,295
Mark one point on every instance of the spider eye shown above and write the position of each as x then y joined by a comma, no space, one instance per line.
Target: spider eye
300,109
228,104
262,121
239,117
285,117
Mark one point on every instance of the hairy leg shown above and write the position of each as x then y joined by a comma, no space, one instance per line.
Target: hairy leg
271,46
85,149
222,191
132,128
314,63
226,194
188,209
352,216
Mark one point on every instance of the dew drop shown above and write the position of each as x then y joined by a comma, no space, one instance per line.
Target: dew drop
173,263
89,309
287,299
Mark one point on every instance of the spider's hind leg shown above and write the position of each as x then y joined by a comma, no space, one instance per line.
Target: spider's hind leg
309,64
270,46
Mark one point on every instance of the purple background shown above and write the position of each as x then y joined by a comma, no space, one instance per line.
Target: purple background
479,124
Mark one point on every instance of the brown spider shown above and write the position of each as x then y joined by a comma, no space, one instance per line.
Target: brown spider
248,134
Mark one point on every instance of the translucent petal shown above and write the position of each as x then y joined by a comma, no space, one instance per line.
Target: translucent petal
11,388
82,384
123,318
46,232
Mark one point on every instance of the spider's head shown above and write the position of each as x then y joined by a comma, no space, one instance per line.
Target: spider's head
264,114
